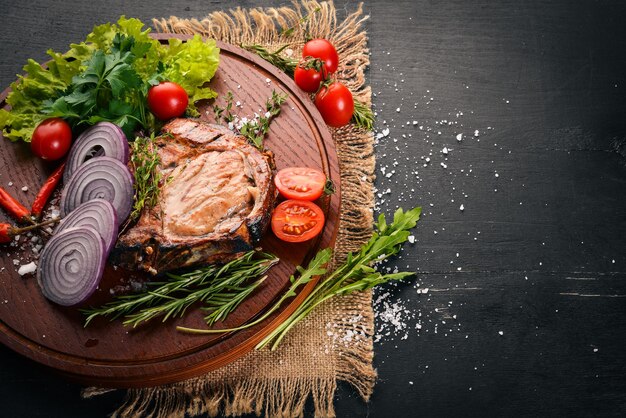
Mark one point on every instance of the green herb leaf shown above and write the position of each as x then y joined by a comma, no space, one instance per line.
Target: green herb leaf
287,65
329,187
363,117
220,288
255,130
145,161
117,62
357,273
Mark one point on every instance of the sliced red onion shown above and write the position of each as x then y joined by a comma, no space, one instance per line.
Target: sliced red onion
71,266
97,214
100,178
102,139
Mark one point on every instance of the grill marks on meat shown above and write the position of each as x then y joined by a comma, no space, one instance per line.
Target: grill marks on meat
197,204
215,203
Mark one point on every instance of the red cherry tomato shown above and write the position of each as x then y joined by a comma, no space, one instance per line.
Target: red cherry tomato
308,79
167,100
335,103
324,50
297,220
300,183
51,139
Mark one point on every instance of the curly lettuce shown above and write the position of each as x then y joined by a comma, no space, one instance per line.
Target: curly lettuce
107,77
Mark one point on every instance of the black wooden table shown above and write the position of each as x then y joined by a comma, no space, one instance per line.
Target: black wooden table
519,306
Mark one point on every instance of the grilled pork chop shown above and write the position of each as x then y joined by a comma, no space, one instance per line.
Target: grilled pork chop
215,204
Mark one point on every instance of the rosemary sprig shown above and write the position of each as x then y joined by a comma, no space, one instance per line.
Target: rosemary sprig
357,273
255,130
145,160
315,268
221,288
287,65
363,117
221,304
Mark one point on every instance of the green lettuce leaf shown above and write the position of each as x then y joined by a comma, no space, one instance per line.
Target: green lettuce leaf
107,77
191,64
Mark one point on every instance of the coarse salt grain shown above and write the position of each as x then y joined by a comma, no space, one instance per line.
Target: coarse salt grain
27,268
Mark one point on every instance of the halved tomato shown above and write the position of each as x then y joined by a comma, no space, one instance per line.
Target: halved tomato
297,220
300,183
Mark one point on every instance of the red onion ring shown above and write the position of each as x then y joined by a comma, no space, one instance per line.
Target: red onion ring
71,266
102,139
97,214
100,178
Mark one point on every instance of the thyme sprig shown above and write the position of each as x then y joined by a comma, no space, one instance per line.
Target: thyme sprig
145,160
357,273
225,112
220,288
255,130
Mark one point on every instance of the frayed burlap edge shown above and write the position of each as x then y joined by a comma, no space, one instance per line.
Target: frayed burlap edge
335,342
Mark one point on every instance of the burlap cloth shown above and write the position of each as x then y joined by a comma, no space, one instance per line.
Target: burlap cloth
335,342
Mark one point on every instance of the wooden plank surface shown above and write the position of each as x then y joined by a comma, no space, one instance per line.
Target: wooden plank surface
549,273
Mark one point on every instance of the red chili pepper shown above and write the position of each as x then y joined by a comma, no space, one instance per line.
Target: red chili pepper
11,205
8,231
5,233
46,191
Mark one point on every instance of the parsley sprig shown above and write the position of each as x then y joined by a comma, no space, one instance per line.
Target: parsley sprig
357,273
106,78
109,89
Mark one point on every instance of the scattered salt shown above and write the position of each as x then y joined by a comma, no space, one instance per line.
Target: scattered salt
27,268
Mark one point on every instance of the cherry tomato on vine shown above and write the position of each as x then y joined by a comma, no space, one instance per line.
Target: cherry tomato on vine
51,139
301,183
324,50
307,77
167,100
335,104
297,220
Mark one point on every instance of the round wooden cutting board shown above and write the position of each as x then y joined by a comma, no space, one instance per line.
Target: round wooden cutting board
108,354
